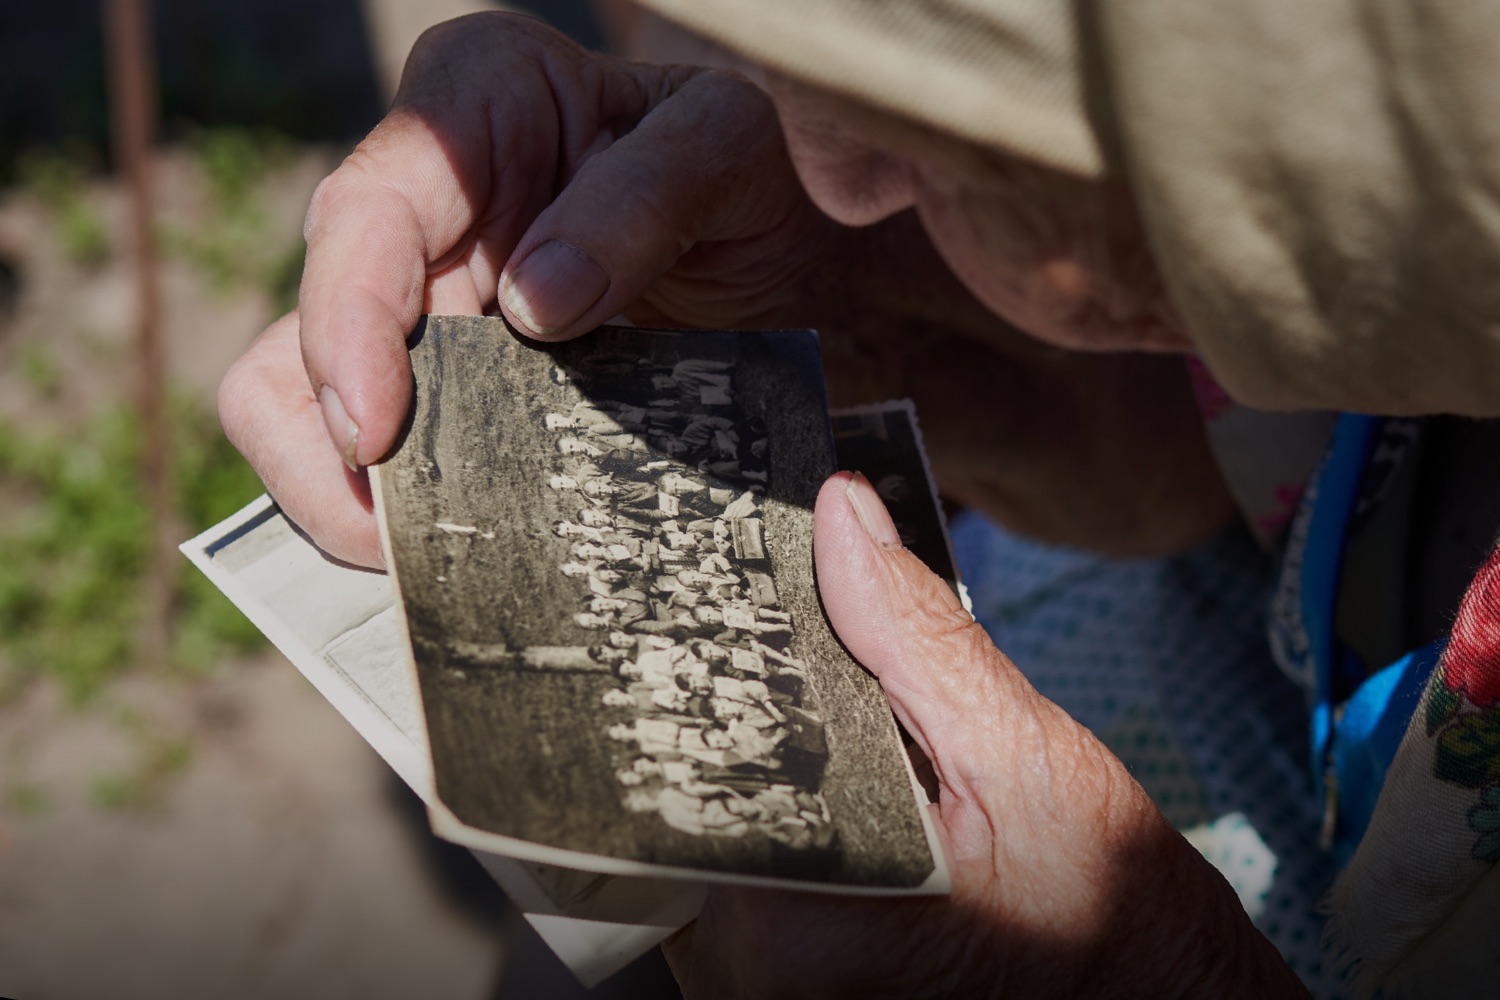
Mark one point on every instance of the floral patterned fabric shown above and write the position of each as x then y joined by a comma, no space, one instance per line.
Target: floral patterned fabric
1406,755
1413,914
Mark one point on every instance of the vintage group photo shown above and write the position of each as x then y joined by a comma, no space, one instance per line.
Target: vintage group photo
604,554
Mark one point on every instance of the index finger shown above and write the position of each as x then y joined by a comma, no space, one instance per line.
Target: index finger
376,227
428,191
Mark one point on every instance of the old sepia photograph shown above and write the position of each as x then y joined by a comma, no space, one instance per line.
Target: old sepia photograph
603,552
884,441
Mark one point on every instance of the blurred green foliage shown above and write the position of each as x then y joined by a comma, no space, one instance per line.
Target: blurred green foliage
26,800
39,369
59,177
233,246
74,544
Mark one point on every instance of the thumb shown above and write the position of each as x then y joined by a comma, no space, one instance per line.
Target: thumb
957,695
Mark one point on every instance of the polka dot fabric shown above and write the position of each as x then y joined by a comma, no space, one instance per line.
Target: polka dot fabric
1166,660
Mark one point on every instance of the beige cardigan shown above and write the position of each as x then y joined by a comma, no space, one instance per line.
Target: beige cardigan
1320,181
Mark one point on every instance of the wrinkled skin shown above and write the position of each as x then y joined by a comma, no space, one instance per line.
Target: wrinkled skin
676,182
1067,880
668,194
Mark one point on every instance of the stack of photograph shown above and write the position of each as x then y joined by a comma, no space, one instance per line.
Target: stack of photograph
603,554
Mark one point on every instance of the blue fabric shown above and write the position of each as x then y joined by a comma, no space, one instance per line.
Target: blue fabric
1353,740
1369,730
1337,490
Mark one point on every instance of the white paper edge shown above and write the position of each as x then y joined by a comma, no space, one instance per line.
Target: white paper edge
394,747
593,950
448,826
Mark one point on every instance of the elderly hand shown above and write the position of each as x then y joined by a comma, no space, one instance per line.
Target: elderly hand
1067,880
518,171
515,169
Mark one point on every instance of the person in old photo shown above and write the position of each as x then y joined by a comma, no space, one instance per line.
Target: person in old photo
689,709
1152,272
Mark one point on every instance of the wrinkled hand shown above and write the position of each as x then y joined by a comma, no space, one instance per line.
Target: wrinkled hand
517,171
514,169
1067,880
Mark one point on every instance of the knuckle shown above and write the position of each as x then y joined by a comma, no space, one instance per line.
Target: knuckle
734,100
236,401
334,195
438,43
231,389
323,203
723,84
470,44
357,172
252,387
432,44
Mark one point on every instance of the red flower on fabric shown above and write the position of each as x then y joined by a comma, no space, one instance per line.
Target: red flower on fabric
1471,664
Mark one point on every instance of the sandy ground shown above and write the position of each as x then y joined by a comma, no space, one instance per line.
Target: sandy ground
273,863
272,866
273,858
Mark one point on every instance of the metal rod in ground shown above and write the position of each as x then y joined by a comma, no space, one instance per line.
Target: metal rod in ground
133,114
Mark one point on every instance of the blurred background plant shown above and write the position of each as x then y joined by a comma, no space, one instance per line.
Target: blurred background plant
204,765
74,543
56,176
75,525
250,106
233,242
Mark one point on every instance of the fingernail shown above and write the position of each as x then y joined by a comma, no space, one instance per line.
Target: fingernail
873,516
343,431
553,286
